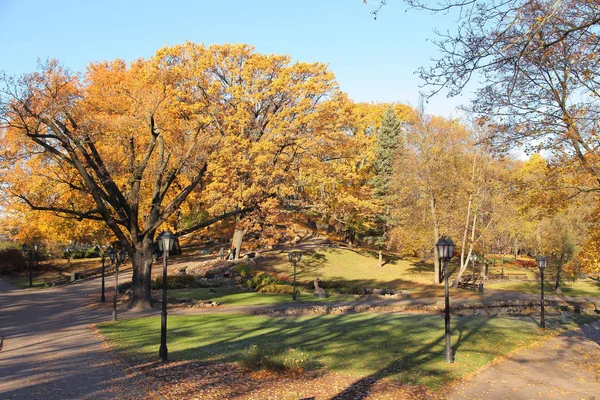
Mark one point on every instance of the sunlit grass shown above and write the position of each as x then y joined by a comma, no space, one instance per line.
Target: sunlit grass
580,288
354,267
408,348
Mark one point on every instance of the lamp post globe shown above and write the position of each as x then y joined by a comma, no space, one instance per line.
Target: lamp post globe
445,249
542,262
165,240
28,254
473,259
111,255
113,260
102,255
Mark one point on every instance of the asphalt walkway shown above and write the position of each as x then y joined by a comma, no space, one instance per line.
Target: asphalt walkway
565,367
50,352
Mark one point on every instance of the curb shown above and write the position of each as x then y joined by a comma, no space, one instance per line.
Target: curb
126,364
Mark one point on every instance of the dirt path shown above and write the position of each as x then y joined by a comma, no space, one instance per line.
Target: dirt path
50,352
564,367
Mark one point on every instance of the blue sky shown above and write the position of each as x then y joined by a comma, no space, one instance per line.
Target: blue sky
373,60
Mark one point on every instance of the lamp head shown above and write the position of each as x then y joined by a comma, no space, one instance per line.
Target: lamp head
445,248
294,256
166,240
542,262
111,254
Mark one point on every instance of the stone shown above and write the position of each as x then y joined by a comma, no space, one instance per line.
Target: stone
319,292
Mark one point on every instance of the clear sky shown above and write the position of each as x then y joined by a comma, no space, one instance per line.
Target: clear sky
373,60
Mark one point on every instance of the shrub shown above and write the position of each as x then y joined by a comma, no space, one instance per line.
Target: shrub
276,289
176,282
526,263
125,286
243,269
264,279
349,290
12,261
260,357
295,361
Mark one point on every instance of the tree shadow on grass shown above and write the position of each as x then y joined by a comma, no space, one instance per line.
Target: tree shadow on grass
402,348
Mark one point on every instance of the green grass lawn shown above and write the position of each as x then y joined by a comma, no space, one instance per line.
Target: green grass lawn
236,298
355,267
22,282
408,348
580,288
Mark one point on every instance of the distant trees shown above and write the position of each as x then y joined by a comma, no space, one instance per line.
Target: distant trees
538,67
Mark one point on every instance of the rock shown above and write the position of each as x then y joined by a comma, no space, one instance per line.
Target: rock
319,292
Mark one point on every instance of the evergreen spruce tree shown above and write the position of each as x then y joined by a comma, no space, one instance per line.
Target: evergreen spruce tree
390,143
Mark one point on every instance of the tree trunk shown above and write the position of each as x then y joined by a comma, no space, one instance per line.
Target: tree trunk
238,237
437,276
558,271
380,259
142,271
482,266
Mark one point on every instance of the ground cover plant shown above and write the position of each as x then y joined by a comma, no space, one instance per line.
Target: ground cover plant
400,348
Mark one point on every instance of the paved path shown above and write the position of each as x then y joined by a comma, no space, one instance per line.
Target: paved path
564,367
50,352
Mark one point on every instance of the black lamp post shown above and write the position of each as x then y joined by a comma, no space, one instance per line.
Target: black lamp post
473,259
36,257
102,256
113,260
445,250
542,262
165,244
27,254
294,257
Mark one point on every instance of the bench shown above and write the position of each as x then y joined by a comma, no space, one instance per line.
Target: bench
494,276
472,286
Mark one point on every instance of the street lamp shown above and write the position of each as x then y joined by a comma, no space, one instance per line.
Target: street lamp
166,240
294,257
36,258
473,259
113,260
445,250
27,253
103,256
122,256
542,262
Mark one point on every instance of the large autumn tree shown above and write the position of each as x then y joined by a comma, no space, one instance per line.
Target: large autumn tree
128,145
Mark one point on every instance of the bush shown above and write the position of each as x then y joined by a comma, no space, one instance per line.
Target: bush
243,269
259,357
349,290
12,261
265,279
276,289
125,286
176,282
526,263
